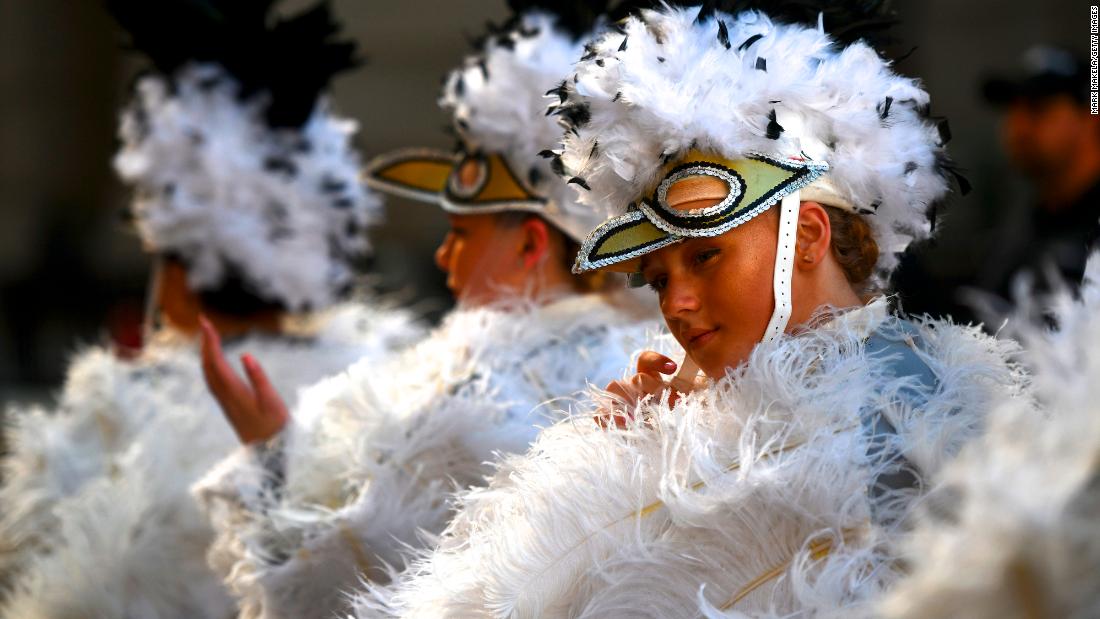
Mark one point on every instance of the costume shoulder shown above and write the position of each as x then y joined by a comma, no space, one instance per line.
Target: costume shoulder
382,447
750,496
1012,529
54,451
134,504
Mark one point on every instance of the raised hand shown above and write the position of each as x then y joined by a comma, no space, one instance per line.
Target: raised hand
626,394
254,409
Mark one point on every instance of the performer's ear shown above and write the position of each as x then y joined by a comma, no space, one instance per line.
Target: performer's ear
813,237
536,241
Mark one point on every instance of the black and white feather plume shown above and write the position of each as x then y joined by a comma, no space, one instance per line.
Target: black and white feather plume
786,79
498,97
239,167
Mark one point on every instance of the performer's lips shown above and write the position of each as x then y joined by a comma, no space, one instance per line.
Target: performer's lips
698,337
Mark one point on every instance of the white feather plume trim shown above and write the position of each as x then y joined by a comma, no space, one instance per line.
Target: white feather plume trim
376,453
217,186
497,99
675,515
664,83
103,482
1014,529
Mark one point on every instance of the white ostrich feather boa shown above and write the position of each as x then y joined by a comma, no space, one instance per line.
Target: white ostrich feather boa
676,87
376,452
497,99
1016,529
197,157
98,520
599,523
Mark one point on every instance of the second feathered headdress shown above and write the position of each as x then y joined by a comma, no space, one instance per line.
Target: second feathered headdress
497,102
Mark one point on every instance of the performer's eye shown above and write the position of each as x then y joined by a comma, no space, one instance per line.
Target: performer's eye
704,256
658,283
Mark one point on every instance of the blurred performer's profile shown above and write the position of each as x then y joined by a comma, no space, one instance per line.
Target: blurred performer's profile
1050,136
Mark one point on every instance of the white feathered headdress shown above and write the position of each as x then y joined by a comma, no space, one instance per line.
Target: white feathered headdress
675,85
240,169
497,102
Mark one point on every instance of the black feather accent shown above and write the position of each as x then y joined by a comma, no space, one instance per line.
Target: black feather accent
906,54
749,41
576,180
332,185
846,21
618,95
534,176
910,167
669,156
292,60
762,64
342,203
876,204
723,34
484,66
561,91
884,108
557,166
589,52
622,46
576,17
948,168
595,150
280,165
599,62
660,58
944,130
460,86
575,115
547,154
774,128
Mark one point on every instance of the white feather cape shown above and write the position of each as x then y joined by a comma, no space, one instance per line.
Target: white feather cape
1015,532
682,513
375,453
97,519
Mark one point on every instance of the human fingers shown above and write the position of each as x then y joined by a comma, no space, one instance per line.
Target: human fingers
655,364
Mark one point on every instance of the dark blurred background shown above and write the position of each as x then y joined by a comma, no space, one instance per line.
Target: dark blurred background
70,269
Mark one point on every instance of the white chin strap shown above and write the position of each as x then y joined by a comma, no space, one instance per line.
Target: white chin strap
784,266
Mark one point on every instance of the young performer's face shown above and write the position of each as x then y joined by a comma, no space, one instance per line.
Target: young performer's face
716,293
482,259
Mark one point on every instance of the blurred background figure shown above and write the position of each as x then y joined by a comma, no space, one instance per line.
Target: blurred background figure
1053,140
1051,143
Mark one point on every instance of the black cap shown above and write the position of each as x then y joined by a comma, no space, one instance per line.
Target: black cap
1045,71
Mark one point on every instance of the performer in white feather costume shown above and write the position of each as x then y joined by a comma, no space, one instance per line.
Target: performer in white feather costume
369,459
97,518
1013,529
772,171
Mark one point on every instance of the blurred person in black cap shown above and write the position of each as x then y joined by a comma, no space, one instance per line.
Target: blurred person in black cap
1051,137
